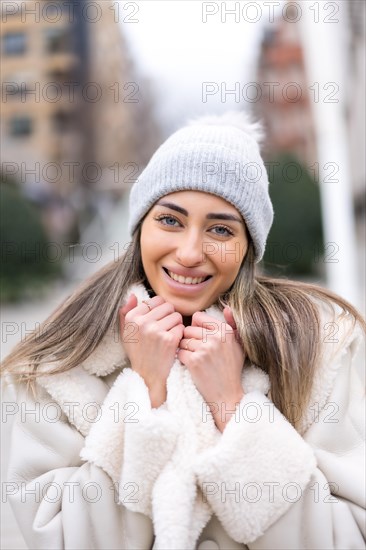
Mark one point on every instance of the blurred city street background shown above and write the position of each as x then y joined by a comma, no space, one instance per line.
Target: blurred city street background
91,89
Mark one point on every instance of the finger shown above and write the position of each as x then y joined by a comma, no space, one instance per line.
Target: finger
194,332
170,320
130,304
142,308
191,342
229,318
207,322
183,355
178,331
160,312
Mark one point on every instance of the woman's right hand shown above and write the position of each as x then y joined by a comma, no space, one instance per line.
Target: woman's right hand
151,339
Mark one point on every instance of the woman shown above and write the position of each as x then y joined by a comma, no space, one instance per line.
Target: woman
217,408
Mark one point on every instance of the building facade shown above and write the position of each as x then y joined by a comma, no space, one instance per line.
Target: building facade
287,94
73,118
285,101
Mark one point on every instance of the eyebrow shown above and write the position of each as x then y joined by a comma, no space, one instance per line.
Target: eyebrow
210,216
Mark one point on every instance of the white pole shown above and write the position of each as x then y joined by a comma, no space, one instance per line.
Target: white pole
324,42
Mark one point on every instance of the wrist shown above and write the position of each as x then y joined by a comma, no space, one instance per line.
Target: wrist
157,397
226,410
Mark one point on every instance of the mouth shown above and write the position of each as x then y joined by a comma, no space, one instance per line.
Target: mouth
186,283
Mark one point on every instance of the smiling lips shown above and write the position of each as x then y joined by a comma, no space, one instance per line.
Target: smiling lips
185,280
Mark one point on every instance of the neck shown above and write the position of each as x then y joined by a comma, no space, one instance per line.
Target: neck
187,321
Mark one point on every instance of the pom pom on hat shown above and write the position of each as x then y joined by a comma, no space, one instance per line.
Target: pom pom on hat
236,119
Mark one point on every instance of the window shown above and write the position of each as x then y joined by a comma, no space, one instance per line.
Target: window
52,11
57,40
10,90
58,76
14,43
62,121
17,85
5,13
20,126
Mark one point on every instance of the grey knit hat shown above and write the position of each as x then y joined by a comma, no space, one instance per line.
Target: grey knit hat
215,154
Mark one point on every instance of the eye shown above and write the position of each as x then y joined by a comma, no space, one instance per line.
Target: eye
163,217
166,217
228,231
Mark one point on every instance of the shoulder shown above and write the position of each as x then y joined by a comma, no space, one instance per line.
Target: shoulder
341,341
340,336
80,391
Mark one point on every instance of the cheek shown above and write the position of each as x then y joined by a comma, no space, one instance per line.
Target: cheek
147,247
146,256
232,257
153,246
228,262
147,240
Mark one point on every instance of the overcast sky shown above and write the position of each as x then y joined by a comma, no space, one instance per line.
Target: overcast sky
184,56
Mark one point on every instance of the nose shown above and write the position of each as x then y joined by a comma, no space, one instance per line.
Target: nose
190,249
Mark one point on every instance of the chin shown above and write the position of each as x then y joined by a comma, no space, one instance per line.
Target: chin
190,310
184,312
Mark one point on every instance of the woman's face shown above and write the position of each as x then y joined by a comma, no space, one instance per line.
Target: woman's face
190,234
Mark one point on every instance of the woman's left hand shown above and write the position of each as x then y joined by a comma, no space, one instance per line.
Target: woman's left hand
215,359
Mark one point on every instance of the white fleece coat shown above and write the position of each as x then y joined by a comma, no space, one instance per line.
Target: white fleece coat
93,465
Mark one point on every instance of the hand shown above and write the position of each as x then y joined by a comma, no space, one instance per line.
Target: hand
151,339
215,359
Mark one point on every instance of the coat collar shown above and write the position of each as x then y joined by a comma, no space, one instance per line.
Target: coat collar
110,354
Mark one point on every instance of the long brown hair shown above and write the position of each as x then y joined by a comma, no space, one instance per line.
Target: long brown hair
273,316
280,328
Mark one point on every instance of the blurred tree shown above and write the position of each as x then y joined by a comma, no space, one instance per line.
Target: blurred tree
28,259
295,242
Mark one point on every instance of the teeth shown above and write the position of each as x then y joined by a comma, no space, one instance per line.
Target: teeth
186,280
